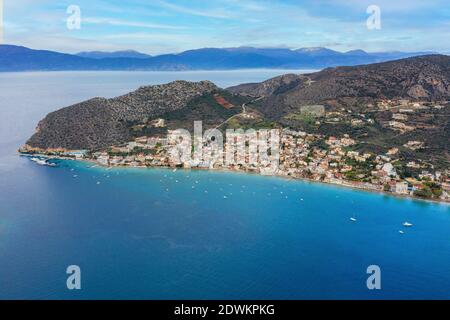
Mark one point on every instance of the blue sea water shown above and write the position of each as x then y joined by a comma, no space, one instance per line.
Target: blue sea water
159,234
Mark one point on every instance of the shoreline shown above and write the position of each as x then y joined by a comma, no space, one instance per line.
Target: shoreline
226,170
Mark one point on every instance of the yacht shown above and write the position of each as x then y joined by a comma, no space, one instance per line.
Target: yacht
43,162
407,224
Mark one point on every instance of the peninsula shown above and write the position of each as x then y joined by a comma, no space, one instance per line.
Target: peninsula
382,127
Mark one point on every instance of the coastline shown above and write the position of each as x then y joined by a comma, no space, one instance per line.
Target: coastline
226,170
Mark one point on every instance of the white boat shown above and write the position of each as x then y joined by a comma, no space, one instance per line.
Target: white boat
353,219
401,232
43,162
407,224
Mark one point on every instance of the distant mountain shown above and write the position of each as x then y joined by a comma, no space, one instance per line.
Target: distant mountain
115,54
16,58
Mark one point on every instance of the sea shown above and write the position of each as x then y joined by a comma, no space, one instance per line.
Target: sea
163,234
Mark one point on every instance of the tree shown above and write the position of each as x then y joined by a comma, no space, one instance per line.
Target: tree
424,193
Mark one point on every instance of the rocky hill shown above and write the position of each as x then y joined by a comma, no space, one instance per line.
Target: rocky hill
100,122
419,78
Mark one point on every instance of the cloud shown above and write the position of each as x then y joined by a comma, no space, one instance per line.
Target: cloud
391,6
246,5
218,13
161,26
126,23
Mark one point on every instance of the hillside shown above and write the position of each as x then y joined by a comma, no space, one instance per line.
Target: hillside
382,105
420,78
100,122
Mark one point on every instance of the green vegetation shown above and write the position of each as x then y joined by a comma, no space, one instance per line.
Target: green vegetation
423,193
320,143
429,190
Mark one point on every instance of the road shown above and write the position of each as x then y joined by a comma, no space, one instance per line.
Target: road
244,111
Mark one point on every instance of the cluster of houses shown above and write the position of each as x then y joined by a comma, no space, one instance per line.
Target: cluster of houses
297,155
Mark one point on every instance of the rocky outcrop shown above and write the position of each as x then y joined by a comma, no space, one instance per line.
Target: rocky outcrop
100,122
273,86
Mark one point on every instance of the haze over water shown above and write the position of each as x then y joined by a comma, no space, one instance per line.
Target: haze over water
159,234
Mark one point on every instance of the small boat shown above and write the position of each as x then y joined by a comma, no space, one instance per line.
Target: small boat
401,232
407,224
43,162
353,219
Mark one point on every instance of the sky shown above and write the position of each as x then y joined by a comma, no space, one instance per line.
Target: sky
170,26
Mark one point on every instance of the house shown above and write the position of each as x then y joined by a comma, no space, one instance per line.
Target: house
401,188
389,169
77,154
103,159
158,123
141,140
392,151
399,116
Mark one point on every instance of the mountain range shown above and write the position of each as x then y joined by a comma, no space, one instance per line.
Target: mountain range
18,58
115,54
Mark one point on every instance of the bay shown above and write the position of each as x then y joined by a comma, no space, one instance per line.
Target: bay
159,234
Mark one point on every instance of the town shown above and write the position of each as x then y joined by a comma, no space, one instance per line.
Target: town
299,155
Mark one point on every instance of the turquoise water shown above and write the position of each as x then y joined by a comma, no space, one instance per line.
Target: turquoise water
159,234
